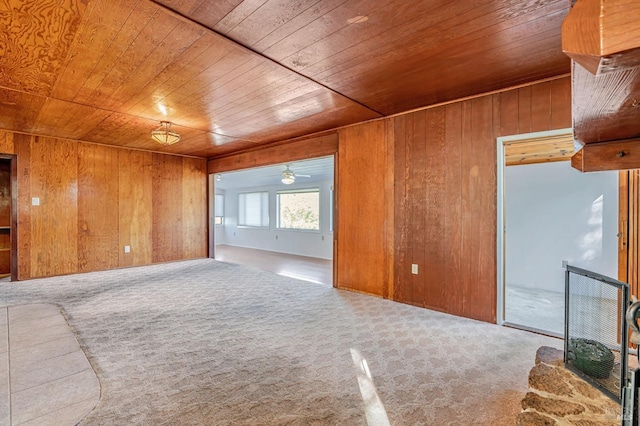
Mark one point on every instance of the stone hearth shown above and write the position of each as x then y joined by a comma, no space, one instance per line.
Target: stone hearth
557,396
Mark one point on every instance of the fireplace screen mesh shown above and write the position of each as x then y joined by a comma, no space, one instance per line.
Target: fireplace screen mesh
595,336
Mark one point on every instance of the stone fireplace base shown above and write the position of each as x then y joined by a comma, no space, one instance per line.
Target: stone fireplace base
557,396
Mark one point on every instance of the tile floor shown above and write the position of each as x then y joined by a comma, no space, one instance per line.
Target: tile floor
45,377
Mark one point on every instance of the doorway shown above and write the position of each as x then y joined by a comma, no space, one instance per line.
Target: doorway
550,215
8,217
277,218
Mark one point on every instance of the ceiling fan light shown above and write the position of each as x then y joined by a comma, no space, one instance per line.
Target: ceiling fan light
164,135
288,179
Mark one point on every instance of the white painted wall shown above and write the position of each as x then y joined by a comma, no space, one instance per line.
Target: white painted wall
303,243
554,212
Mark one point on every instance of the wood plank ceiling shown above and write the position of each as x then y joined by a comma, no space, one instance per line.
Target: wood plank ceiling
234,74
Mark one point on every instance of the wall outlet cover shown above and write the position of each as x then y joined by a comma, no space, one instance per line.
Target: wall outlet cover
414,268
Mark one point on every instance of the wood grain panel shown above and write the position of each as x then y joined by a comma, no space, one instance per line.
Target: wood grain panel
54,223
445,195
605,107
453,260
595,32
31,43
194,208
23,158
98,233
435,211
167,233
362,263
539,150
614,155
135,180
303,149
417,145
6,143
74,229
402,287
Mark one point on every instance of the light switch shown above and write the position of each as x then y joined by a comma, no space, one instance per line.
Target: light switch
414,268
127,249
35,201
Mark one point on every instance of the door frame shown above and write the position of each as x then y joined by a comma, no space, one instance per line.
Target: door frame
501,222
13,185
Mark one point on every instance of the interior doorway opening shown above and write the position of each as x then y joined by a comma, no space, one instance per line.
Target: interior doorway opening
550,215
8,217
278,218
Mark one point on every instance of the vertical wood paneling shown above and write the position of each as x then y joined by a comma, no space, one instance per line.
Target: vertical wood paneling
167,235
94,200
54,223
433,273
362,263
524,109
98,232
6,143
509,113
541,107
23,154
452,235
135,207
560,104
417,145
445,194
194,208
401,254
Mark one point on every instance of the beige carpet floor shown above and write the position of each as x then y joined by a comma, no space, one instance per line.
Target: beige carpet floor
208,343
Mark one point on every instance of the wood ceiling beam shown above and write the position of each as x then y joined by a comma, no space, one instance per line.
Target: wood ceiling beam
595,32
618,155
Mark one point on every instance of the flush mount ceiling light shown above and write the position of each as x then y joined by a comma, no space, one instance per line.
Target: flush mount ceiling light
288,177
164,135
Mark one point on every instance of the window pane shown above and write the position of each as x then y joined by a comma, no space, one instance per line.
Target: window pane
299,210
253,209
219,205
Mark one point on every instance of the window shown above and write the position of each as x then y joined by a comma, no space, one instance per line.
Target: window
253,209
219,209
299,209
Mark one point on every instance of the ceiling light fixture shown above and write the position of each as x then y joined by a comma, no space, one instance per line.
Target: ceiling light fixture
288,177
164,135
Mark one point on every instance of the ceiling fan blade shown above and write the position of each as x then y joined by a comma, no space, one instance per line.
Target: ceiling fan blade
297,175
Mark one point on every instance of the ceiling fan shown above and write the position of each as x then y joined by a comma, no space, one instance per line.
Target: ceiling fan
288,177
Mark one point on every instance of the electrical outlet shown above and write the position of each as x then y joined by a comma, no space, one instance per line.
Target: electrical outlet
414,268
35,201
127,249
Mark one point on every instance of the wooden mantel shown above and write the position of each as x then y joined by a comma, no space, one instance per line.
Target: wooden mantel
603,39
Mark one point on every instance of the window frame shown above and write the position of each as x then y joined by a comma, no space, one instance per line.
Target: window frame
315,189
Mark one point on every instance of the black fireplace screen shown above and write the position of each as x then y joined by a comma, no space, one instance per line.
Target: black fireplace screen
595,333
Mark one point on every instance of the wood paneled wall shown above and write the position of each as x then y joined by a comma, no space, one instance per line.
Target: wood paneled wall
364,201
445,193
94,200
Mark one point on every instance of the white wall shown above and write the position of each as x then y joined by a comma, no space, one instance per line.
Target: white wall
303,243
555,213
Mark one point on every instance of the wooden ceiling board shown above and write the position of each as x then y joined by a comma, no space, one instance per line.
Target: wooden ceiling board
19,110
425,66
233,74
539,150
33,51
